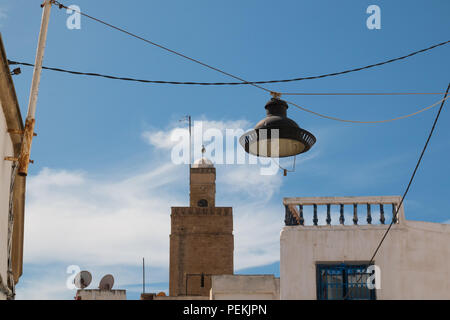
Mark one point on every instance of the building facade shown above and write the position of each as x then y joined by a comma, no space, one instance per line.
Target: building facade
320,259
97,294
245,287
12,188
201,239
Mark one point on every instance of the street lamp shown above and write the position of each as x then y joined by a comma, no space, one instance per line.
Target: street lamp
277,136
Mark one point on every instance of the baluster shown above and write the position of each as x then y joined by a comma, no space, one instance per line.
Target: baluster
355,213
369,214
341,217
315,220
328,214
302,221
289,219
394,216
382,213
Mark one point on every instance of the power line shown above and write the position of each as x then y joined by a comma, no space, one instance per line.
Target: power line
367,122
355,93
253,83
162,47
394,217
292,103
12,62
237,83
257,85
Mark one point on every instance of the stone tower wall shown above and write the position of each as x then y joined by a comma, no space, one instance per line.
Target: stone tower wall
201,241
203,186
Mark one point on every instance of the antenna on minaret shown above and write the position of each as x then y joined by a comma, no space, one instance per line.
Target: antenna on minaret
188,118
190,142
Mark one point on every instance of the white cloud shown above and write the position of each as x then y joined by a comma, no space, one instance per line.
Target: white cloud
73,217
257,229
81,220
161,139
50,281
45,289
247,179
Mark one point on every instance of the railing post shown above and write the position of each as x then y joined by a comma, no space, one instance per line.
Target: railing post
328,214
315,220
302,220
289,219
355,213
287,216
369,214
394,215
295,214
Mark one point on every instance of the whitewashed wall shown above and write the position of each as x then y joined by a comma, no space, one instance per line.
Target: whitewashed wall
96,294
414,258
245,287
6,149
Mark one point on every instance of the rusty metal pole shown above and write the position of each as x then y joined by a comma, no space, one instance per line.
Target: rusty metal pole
24,158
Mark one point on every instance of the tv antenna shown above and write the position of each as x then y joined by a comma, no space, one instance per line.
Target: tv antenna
106,283
83,279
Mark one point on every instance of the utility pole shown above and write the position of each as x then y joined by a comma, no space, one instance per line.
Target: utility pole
24,157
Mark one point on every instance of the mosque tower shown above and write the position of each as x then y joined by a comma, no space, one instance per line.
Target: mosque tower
201,239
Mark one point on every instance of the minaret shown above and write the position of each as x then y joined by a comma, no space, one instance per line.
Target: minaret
203,183
201,239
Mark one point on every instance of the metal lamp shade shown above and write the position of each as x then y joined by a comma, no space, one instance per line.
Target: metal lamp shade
277,136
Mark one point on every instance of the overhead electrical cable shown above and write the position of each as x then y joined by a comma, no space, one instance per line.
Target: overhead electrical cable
229,83
395,215
162,47
256,84
12,62
243,82
366,122
357,93
292,103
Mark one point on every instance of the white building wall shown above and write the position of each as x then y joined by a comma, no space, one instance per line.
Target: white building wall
6,149
97,294
245,287
181,298
414,258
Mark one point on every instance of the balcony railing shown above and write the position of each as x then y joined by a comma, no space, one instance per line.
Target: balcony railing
362,213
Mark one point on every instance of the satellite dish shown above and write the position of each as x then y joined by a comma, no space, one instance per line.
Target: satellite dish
106,283
82,279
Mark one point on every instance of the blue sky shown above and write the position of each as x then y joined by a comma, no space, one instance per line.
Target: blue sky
99,193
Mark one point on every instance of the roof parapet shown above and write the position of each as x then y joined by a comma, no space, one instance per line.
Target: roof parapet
295,214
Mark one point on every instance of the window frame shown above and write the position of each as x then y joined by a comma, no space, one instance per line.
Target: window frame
344,267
